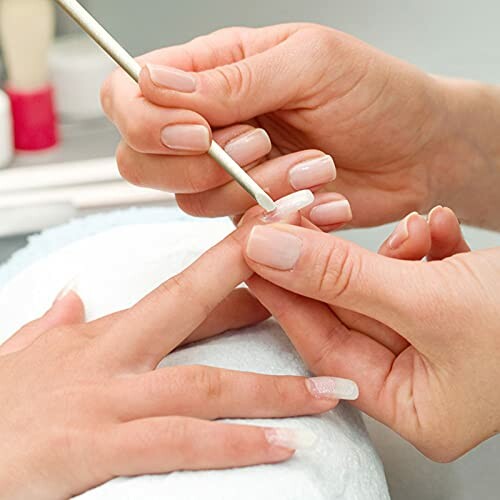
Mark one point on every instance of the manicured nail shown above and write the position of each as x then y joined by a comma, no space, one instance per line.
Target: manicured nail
273,248
312,173
290,204
249,147
68,288
172,78
401,233
194,138
333,212
294,439
333,388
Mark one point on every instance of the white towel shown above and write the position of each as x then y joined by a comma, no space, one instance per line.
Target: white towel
117,267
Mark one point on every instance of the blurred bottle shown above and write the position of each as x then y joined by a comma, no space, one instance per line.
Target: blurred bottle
27,30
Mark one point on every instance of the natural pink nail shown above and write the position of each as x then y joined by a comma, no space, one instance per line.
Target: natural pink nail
331,213
172,78
67,289
401,233
274,248
333,388
194,138
249,147
312,173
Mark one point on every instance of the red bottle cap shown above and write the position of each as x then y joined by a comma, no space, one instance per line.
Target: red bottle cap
34,117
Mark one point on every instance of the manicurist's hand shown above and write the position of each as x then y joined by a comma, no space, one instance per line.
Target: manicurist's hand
82,402
282,100
421,338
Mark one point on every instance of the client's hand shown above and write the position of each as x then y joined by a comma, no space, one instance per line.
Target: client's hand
420,338
82,402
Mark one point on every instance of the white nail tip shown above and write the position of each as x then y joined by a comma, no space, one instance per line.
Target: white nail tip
290,204
294,439
333,388
69,287
266,202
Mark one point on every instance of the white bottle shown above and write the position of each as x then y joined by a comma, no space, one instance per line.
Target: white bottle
6,134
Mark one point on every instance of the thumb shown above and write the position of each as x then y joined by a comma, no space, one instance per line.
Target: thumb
338,272
67,309
259,82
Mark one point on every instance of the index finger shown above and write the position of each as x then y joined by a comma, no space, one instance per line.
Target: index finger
168,315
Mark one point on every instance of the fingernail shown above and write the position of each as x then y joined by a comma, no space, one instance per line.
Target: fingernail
334,212
400,234
249,147
333,388
290,204
194,138
294,439
172,78
273,248
68,288
312,173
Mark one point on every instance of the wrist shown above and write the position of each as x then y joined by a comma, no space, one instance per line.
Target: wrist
467,165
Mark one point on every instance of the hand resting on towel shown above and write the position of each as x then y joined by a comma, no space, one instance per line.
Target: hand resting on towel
91,406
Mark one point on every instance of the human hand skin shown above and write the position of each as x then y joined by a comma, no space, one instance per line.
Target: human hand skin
82,402
402,140
420,338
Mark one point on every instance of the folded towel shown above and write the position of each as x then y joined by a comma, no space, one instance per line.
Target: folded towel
116,267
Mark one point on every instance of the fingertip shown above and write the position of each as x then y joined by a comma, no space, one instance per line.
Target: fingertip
446,234
68,308
443,223
411,240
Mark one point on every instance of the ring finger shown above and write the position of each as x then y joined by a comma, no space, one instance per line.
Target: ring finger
225,393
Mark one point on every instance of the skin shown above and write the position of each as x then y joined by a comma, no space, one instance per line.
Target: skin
91,367
420,338
402,140
102,410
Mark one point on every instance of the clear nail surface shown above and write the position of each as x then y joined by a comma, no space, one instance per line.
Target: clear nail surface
331,213
333,388
290,204
313,172
401,233
249,147
273,248
172,78
294,439
195,138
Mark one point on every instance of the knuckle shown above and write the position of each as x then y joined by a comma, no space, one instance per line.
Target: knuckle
281,393
208,380
336,268
126,165
133,131
192,204
236,79
106,97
